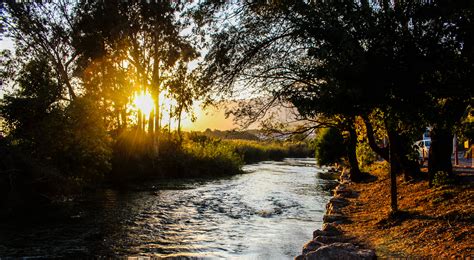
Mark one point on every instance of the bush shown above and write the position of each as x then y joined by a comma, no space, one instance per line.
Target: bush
86,146
365,155
253,151
442,178
196,156
329,147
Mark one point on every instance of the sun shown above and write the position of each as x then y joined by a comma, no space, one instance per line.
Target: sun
144,102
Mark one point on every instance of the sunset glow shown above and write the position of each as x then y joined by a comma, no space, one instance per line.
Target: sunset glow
144,102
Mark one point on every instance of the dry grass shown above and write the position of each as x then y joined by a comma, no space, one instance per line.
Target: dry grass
433,222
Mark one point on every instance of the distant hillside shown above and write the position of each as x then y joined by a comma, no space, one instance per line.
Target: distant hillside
233,134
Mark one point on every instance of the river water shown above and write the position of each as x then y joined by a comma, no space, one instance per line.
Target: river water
267,213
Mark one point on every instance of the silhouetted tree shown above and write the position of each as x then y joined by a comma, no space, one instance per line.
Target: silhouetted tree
139,38
348,58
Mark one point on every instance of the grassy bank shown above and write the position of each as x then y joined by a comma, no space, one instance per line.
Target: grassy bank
433,222
137,156
254,151
134,156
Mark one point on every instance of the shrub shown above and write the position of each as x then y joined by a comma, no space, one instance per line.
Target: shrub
329,147
442,178
365,155
86,145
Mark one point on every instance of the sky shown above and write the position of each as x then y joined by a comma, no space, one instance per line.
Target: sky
5,43
211,118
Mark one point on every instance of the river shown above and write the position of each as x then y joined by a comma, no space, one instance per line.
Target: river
267,213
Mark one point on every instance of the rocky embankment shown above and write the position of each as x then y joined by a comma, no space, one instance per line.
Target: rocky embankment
330,242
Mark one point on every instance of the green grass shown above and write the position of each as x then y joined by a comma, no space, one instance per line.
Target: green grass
136,156
254,151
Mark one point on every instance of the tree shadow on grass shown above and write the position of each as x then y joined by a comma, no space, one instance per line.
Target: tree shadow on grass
396,219
367,178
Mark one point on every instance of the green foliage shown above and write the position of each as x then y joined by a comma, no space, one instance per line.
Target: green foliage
212,158
138,155
365,155
34,100
195,156
253,151
86,145
329,147
63,143
442,178
231,134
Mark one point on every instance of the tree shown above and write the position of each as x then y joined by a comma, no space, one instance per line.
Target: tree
345,58
181,89
34,100
72,139
44,30
144,36
329,147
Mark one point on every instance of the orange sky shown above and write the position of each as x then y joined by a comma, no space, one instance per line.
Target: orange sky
211,118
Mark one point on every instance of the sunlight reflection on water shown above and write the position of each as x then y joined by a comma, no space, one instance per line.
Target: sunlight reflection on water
268,213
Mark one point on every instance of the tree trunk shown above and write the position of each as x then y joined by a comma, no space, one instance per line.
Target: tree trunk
179,125
393,179
169,120
157,112
124,117
399,161
117,117
151,118
140,118
156,83
394,165
355,173
440,153
382,152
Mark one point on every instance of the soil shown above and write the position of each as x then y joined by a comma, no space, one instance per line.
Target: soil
432,222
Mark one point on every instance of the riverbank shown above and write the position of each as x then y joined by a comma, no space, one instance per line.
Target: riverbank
331,242
130,158
433,222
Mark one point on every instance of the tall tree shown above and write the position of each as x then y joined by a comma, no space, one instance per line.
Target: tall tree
144,36
342,58
45,30
181,89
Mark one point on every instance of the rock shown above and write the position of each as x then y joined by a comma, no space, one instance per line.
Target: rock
331,229
339,201
330,239
340,251
328,229
300,257
311,246
318,232
334,209
335,218
348,182
344,191
329,242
